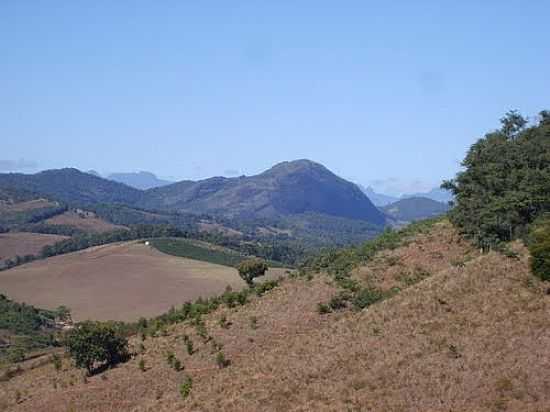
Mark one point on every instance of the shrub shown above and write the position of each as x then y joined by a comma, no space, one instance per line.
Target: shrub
539,247
177,365
250,269
253,322
141,365
338,301
366,297
56,360
185,387
221,361
188,344
96,342
323,308
224,323
170,358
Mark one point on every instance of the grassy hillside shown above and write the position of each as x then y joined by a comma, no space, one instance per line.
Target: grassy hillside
455,330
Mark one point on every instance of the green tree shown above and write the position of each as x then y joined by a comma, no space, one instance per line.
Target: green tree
539,247
91,343
250,269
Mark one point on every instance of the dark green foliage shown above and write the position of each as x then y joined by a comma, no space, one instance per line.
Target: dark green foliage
323,308
539,247
339,301
170,358
176,364
366,297
250,269
91,343
199,251
185,387
221,360
265,286
188,344
141,365
506,182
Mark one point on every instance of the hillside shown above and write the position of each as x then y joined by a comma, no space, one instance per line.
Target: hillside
415,208
71,186
435,343
288,188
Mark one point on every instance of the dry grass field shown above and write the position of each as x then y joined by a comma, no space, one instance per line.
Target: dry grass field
471,333
20,243
120,281
88,222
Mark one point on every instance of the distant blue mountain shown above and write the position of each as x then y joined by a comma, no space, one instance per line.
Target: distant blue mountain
139,180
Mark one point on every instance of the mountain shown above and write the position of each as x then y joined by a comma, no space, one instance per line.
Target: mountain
415,208
378,199
437,194
139,180
72,186
288,188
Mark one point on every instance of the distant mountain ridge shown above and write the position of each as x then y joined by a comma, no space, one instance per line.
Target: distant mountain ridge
140,180
411,209
288,188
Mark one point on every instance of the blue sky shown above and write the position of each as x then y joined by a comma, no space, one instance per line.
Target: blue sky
384,93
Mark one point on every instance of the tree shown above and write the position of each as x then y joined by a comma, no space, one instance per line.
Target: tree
250,269
539,247
92,343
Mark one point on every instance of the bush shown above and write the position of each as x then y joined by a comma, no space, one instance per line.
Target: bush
96,342
366,297
188,344
250,269
185,387
323,309
221,361
141,365
539,247
56,360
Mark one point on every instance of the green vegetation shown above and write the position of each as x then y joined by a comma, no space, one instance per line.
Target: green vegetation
28,327
199,251
185,387
506,182
250,269
539,247
222,361
91,343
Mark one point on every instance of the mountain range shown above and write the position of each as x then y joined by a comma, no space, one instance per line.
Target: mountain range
302,194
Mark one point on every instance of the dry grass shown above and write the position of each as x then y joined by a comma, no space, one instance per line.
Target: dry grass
470,337
86,221
12,244
118,281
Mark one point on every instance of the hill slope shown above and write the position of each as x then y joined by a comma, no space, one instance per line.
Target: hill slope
471,334
288,188
71,186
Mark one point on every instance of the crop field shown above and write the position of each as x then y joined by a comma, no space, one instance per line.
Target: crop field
194,249
121,281
20,243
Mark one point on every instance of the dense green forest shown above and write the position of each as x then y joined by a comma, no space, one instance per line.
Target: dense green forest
505,184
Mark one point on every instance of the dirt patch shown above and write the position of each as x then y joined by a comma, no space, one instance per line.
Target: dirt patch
120,281
86,221
20,243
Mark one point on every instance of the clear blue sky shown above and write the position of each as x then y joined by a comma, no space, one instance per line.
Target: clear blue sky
390,92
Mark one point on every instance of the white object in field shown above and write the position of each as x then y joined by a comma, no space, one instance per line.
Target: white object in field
147,243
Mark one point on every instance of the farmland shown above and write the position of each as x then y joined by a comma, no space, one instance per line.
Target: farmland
120,281
86,221
14,243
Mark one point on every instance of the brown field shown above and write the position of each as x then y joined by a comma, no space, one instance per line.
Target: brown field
86,221
473,334
216,227
20,243
120,281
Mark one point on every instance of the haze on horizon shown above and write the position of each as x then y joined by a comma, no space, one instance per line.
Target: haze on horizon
385,95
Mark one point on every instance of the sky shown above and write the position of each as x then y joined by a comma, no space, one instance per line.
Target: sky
384,93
